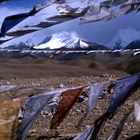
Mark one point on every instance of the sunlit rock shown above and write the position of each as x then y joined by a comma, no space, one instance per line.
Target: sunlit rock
137,110
8,119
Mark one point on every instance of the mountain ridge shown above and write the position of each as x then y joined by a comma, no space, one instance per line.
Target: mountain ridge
123,38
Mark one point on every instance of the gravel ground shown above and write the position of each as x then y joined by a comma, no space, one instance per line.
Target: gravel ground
67,129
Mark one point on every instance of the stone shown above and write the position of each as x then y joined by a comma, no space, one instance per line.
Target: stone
137,110
8,119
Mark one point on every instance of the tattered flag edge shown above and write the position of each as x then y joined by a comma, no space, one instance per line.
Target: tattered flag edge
68,100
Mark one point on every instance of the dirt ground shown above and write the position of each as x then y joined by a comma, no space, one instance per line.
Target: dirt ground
25,68
43,76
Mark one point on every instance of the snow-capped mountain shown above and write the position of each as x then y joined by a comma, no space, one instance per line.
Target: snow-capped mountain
134,45
67,41
123,38
30,39
42,28
63,39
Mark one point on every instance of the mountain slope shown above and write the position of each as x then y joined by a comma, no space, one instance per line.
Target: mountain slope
68,41
134,45
123,38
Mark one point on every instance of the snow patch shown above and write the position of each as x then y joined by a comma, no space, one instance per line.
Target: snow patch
63,39
124,38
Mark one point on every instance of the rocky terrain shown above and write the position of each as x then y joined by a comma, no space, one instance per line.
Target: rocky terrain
34,76
68,129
